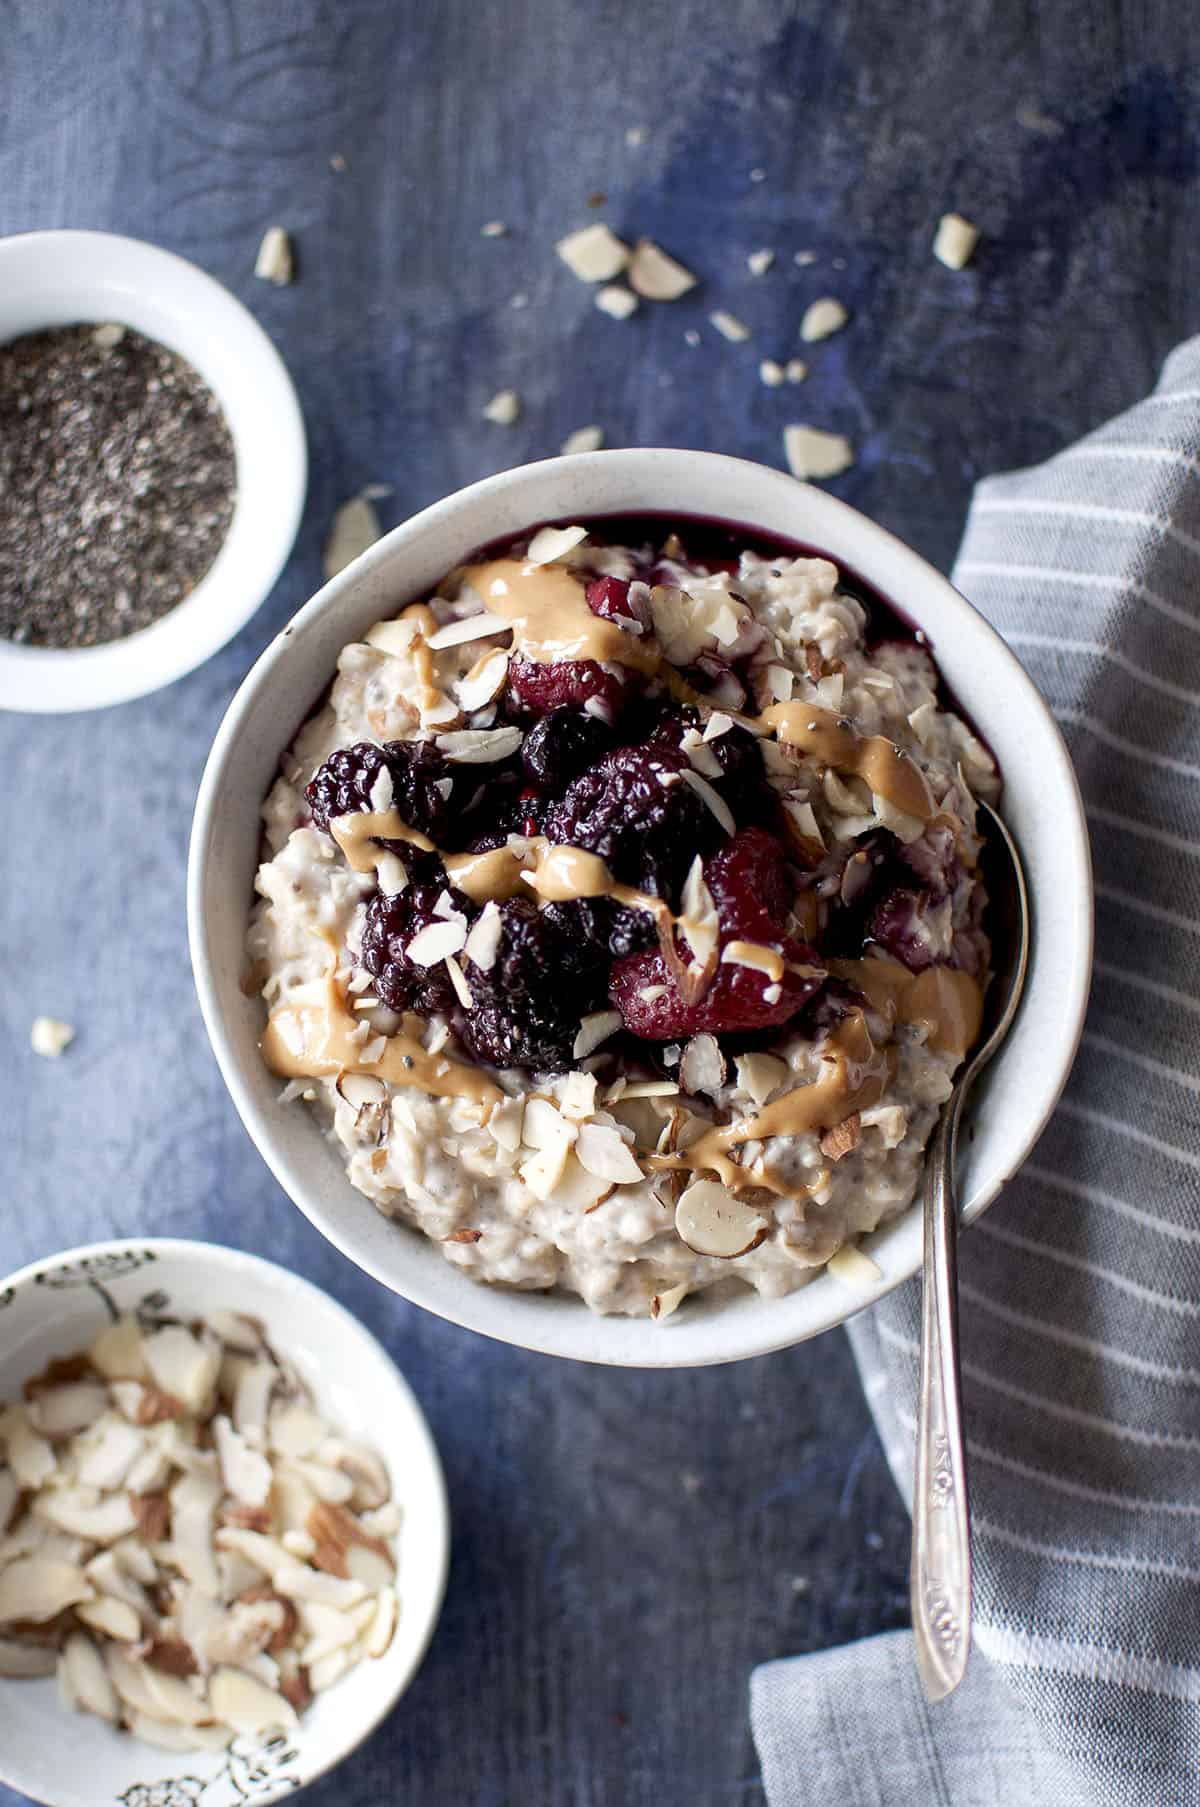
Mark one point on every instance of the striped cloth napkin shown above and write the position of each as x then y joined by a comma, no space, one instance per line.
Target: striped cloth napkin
1081,1288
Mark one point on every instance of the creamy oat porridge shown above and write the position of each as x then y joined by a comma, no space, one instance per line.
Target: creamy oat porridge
619,915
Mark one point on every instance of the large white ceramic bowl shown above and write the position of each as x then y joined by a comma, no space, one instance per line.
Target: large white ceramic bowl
56,1307
1041,803
64,278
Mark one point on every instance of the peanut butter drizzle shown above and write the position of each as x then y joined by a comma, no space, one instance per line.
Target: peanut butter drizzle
422,657
832,739
854,1075
357,836
310,1039
947,1002
550,616
753,953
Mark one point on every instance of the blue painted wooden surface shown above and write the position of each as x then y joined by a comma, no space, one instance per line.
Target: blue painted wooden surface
627,1546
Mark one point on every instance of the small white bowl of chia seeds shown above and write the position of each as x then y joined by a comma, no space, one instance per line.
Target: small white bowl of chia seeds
152,469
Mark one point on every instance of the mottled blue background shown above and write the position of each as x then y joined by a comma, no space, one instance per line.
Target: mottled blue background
626,1546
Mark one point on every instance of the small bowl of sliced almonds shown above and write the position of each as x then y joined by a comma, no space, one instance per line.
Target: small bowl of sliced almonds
223,1528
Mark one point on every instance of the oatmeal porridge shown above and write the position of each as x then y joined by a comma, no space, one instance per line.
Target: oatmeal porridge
619,913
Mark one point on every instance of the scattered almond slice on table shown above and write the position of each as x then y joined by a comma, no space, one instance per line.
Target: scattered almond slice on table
655,276
813,453
184,1540
955,241
504,409
355,528
616,302
275,262
49,1037
822,319
594,253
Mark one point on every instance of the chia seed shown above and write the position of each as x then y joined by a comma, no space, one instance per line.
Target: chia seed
117,484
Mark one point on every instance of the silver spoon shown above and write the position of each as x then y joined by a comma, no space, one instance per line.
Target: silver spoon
940,1584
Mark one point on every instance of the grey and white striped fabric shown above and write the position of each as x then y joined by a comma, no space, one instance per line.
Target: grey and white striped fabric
1081,1288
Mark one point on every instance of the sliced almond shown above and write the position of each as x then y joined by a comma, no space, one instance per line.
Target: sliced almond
110,1577
955,241
577,1099
813,453
655,275
240,1700
62,1411
172,1699
38,1588
616,301
355,529
330,1669
484,682
759,1075
667,1301
595,1029
480,746
576,1191
603,1151
822,319
716,803
551,543
297,1581
183,1365
504,409
583,439
115,1618
372,1485
468,627
711,1221
854,1268
383,1624
434,943
165,1736
194,1500
103,1458
842,1139
594,253
81,1512
274,262
88,1681
29,1455
49,1037
729,326
702,1066
294,1429
247,1474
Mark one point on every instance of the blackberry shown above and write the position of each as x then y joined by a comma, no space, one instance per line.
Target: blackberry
646,831
422,789
390,925
563,744
343,785
527,1005
609,927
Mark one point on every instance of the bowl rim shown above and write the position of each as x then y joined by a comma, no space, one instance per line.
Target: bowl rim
224,1255
472,1307
70,262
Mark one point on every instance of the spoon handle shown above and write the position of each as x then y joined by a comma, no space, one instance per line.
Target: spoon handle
940,1584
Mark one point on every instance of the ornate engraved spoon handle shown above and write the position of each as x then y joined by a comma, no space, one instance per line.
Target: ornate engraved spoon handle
941,1546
